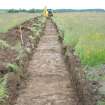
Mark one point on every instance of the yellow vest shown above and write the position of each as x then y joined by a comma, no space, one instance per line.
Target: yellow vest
45,13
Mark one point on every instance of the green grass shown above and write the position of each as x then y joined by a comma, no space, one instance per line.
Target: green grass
3,44
7,20
3,90
100,103
91,49
86,33
12,67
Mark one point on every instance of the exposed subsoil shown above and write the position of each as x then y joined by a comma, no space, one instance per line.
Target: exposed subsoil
49,79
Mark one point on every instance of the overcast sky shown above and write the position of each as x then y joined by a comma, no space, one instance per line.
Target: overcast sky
73,4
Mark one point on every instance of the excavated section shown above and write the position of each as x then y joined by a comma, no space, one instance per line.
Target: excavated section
49,80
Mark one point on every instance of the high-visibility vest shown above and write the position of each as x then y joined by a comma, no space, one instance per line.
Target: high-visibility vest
45,12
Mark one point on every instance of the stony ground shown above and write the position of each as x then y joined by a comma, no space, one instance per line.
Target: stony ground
49,81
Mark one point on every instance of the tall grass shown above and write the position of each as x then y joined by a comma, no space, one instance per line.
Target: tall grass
9,20
91,49
86,33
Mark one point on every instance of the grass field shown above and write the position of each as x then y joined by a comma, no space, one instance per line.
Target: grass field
7,20
86,33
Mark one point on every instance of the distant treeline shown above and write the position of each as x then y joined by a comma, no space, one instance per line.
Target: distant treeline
55,10
79,10
24,10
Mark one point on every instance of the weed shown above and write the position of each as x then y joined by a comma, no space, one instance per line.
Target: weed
3,90
3,44
12,67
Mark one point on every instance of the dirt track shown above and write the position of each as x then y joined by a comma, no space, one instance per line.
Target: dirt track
49,82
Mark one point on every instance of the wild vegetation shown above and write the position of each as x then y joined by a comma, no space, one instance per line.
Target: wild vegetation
8,21
85,33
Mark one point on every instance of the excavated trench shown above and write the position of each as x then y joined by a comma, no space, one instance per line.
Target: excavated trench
51,80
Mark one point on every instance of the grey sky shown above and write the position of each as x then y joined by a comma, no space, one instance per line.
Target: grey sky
73,4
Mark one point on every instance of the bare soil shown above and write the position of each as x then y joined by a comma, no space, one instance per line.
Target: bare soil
49,79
